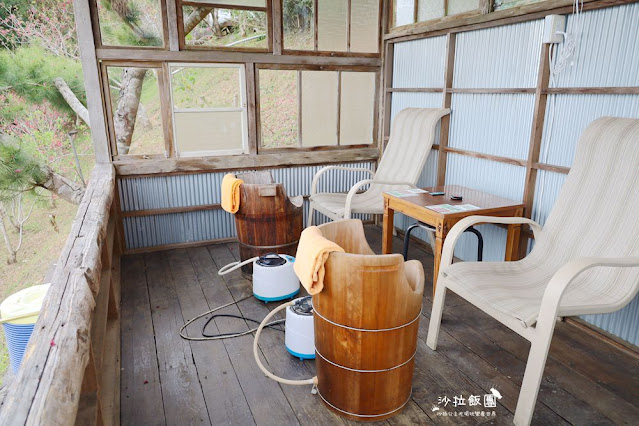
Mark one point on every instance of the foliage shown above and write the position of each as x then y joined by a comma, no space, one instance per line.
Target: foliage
298,15
130,22
47,23
19,171
29,72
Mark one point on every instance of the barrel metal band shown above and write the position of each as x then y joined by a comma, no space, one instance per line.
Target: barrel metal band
375,330
366,415
269,247
366,371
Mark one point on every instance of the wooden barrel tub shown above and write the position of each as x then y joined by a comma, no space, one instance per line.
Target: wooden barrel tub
267,221
366,324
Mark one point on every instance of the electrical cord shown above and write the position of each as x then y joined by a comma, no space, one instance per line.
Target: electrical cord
271,325
223,335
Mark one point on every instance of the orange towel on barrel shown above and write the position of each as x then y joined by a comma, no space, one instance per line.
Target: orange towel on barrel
312,252
231,193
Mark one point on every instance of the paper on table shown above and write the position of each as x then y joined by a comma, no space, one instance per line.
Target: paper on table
406,192
449,208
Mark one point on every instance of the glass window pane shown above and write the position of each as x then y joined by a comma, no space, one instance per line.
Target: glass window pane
233,29
130,22
205,87
319,108
278,108
357,108
461,6
332,25
403,12
430,9
365,26
196,132
137,114
298,21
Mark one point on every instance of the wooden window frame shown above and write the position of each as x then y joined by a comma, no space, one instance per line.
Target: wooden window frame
167,124
299,68
316,52
483,7
182,37
243,108
97,34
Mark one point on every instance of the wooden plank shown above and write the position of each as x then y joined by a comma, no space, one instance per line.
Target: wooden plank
534,148
110,380
387,82
251,103
91,74
592,90
497,158
241,162
551,168
414,89
194,270
492,91
171,210
445,122
278,27
155,55
171,18
141,395
272,410
181,392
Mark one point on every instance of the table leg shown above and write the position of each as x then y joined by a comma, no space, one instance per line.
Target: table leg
439,245
512,243
387,229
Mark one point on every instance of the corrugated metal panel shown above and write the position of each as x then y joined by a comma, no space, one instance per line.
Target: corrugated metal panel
159,192
622,323
497,124
420,63
401,100
499,57
568,115
607,52
546,192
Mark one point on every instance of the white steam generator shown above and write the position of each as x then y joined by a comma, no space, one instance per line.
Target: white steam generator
299,335
274,278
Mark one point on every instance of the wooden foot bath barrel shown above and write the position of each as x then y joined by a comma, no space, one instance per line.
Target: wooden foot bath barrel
267,221
366,324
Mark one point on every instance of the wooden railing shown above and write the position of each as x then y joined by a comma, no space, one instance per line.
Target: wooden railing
70,372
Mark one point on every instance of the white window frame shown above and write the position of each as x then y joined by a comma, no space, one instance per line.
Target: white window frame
242,108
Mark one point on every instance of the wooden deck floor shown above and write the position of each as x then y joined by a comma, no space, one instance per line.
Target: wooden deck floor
166,380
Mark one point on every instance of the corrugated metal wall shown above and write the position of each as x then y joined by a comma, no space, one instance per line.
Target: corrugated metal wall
160,192
607,54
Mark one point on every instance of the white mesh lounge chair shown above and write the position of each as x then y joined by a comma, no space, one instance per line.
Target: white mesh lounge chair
411,139
583,261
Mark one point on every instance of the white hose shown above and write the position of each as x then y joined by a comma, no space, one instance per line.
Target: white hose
234,265
312,381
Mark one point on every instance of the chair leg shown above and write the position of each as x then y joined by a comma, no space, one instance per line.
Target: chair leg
534,372
311,211
436,315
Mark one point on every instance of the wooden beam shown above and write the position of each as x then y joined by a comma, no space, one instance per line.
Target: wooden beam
543,78
497,158
278,27
592,90
172,25
485,6
460,23
171,210
488,91
91,73
243,162
387,97
445,122
251,107
550,168
412,89
203,56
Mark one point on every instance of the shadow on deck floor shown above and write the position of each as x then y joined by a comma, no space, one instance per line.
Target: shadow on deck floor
166,380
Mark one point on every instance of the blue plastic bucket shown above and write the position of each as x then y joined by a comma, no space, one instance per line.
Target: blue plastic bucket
19,313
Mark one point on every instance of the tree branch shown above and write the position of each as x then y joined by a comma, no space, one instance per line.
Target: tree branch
65,188
72,99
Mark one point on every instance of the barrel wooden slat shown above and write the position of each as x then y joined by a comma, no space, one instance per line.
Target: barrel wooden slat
366,324
266,223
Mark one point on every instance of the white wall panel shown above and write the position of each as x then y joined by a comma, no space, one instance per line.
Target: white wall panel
401,100
420,63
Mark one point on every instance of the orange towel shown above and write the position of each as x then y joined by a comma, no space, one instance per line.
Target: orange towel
231,193
312,252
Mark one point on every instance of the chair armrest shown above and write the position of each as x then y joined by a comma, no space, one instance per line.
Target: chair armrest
358,185
323,170
461,226
571,270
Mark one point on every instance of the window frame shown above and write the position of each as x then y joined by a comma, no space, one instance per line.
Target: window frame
299,69
347,53
167,125
243,108
268,9
391,14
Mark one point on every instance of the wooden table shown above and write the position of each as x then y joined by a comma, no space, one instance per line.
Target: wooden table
415,207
